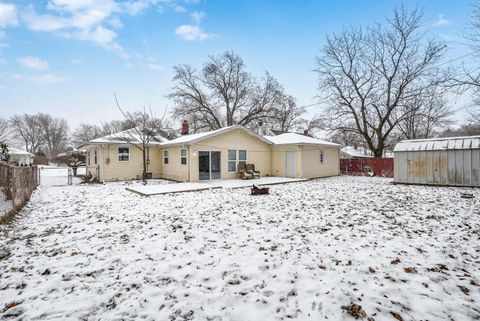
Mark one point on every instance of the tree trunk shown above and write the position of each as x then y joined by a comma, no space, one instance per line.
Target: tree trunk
378,153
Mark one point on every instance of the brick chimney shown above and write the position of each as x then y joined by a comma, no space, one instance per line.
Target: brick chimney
185,127
305,132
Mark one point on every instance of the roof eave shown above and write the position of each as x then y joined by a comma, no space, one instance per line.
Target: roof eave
219,132
308,144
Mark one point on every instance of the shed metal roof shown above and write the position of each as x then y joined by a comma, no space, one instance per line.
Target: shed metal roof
446,143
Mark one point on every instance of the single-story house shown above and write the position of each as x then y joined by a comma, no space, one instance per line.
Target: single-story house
453,161
212,155
349,152
20,157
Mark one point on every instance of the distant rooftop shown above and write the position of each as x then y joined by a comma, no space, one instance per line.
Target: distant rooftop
131,136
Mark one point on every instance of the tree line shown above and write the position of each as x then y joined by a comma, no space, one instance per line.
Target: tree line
378,84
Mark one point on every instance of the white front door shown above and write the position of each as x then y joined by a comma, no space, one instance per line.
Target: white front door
290,164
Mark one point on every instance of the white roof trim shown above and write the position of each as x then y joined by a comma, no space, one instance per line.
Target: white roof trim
194,138
299,139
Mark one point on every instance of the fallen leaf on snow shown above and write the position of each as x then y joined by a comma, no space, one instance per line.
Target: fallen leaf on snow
355,310
410,269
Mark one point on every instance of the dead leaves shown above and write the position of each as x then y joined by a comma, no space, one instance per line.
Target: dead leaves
10,305
397,316
464,289
395,261
410,269
46,272
355,311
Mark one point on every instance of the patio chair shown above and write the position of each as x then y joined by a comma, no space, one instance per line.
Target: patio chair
243,173
252,171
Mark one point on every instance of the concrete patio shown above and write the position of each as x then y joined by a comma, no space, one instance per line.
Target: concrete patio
150,190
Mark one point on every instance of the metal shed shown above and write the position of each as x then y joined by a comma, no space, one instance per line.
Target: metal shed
439,161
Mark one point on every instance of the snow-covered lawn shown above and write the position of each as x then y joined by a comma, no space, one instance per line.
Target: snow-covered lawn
102,253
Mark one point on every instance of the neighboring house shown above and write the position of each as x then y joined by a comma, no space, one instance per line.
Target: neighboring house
439,161
212,155
349,152
20,157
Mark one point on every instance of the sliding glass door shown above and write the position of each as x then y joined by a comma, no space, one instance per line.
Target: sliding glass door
209,165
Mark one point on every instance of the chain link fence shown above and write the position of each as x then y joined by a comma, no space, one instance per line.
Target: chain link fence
16,185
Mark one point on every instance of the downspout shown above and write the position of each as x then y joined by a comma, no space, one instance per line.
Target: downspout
338,166
189,160
301,161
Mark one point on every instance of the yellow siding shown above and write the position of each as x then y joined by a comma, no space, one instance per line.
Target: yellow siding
258,152
174,169
307,161
278,159
111,169
268,159
311,162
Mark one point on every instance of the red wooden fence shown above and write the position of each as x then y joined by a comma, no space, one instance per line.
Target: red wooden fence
382,167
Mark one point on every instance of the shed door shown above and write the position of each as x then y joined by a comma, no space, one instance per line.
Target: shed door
290,164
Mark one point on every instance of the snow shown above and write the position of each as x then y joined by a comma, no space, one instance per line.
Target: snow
443,143
131,136
356,152
296,139
16,151
223,183
192,138
99,252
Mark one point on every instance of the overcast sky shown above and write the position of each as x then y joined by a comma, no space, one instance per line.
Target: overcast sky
67,57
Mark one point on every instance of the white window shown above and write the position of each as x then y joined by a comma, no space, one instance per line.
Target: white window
123,154
321,157
95,156
236,158
165,156
232,160
242,157
183,156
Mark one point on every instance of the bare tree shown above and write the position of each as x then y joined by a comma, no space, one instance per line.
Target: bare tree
286,115
115,126
222,94
29,129
145,126
72,158
347,138
427,114
85,133
313,125
55,131
5,129
368,75
469,79
467,76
